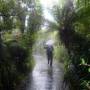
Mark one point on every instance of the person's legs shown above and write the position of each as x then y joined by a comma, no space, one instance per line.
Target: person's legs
51,60
48,58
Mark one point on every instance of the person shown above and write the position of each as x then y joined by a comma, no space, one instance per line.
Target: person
49,53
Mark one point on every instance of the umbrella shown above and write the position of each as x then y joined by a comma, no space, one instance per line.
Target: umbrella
50,42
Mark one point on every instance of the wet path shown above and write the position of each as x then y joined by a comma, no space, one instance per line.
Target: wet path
44,77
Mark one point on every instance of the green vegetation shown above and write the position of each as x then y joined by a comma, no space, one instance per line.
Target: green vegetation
16,40
73,26
20,21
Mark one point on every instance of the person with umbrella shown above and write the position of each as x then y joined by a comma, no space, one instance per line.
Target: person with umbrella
49,51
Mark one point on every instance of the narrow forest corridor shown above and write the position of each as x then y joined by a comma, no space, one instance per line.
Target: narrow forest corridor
32,31
43,77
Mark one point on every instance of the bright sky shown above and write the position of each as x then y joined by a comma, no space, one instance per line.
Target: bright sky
47,4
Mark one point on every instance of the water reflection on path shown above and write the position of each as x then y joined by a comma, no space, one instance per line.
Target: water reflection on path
44,77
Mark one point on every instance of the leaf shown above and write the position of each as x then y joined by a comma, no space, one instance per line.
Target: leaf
88,69
82,61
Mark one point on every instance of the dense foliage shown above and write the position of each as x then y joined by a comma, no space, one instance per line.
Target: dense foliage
17,39
19,22
73,20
